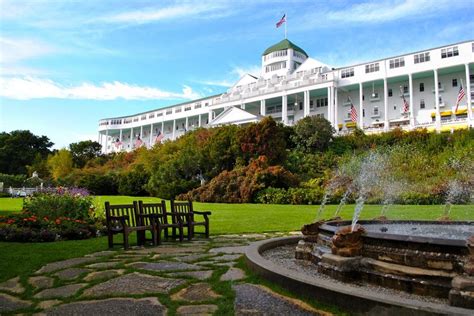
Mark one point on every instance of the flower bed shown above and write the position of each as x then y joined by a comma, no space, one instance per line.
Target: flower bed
59,215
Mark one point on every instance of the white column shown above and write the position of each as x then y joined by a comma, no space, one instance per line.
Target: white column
242,106
141,132
329,105
361,106
209,117
174,129
263,108
186,125
306,103
163,126
284,109
199,120
412,106
336,122
106,140
438,115
121,141
468,95
99,139
151,135
131,138
386,124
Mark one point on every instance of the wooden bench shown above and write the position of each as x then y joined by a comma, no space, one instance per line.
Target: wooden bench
156,214
186,216
125,219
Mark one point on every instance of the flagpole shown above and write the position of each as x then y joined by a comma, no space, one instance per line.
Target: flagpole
286,22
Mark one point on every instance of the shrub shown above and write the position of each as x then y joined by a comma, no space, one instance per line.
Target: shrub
60,215
291,196
313,133
133,182
241,184
10,180
99,184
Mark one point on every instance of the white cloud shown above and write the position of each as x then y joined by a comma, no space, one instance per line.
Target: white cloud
182,10
15,49
27,88
233,76
377,11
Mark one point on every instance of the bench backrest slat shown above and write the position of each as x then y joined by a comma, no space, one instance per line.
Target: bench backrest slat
129,210
182,207
153,208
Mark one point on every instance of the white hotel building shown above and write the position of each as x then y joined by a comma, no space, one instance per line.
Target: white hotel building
292,85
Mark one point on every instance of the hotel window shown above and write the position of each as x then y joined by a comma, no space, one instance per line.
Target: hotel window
275,66
372,68
159,114
422,87
390,92
280,53
298,54
375,111
187,108
151,116
363,112
197,106
422,103
405,89
455,82
449,52
421,58
168,112
143,117
397,63
177,110
346,73
206,104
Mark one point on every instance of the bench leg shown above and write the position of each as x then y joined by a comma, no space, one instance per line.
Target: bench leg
207,230
141,238
126,245
111,239
158,235
181,233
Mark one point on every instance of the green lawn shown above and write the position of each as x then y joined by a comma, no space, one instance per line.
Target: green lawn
24,258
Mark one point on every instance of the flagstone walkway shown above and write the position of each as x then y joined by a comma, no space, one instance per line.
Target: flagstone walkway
189,278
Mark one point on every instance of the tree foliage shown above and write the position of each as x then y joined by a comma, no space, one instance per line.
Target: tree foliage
84,151
313,133
19,149
60,164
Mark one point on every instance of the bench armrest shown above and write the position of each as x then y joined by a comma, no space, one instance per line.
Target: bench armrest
150,215
203,212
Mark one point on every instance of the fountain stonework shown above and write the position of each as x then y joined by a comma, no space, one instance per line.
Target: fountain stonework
405,255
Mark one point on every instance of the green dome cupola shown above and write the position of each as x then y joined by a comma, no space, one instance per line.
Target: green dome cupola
284,44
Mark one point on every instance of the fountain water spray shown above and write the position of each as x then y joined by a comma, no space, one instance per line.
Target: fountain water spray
343,201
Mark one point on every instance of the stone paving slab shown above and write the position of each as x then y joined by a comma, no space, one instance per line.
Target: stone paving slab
104,253
58,265
111,307
71,273
106,274
133,283
48,304
229,250
226,258
200,275
258,300
10,303
164,266
41,282
196,293
171,250
196,310
104,265
194,257
60,292
12,285
233,274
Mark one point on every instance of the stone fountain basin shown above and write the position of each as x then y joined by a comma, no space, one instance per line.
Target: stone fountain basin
451,234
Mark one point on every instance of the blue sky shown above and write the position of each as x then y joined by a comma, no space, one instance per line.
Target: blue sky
65,64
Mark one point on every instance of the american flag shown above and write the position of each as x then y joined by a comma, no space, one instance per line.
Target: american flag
138,142
461,95
117,143
406,106
353,113
159,137
282,20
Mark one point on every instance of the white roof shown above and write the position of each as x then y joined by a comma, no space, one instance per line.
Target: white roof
311,63
234,115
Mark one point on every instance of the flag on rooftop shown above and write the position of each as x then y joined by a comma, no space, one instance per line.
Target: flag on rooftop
461,95
282,20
